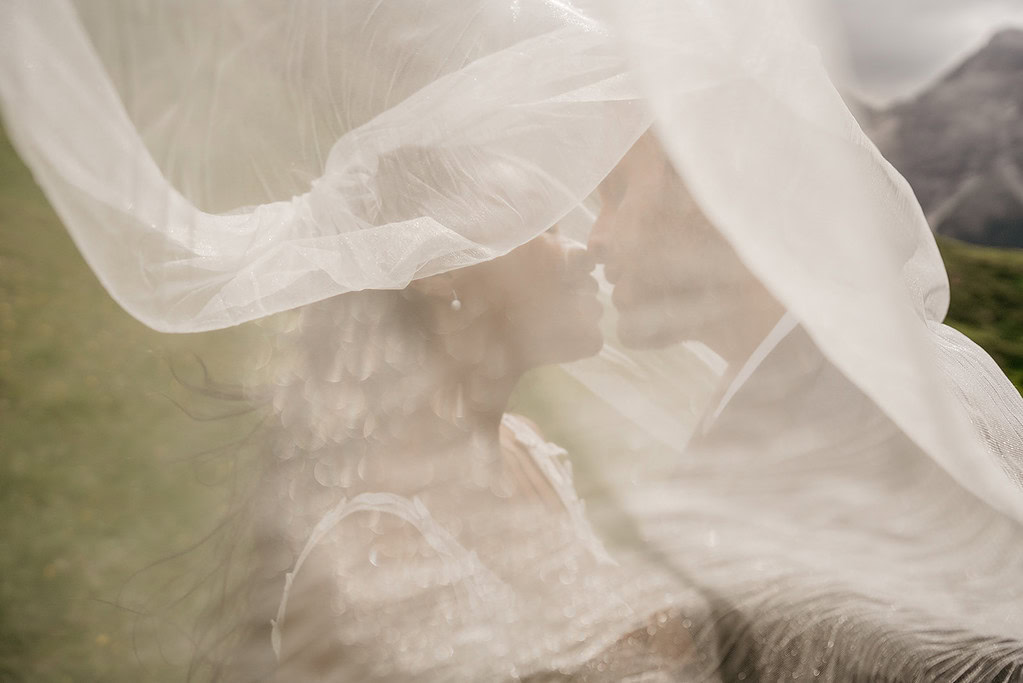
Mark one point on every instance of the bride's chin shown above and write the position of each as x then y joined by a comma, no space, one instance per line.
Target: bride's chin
588,341
591,338
592,344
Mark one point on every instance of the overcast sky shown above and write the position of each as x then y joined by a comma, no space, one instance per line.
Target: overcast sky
898,46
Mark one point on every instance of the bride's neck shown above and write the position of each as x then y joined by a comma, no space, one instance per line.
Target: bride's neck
475,372
397,375
467,402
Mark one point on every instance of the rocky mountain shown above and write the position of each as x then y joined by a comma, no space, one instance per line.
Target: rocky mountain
960,145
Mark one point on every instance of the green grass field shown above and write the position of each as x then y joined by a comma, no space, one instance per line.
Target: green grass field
987,300
98,474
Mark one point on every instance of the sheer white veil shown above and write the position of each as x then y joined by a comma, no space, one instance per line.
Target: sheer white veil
228,229
850,484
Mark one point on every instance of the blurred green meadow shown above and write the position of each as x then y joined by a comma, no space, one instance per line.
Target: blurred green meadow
101,475
987,300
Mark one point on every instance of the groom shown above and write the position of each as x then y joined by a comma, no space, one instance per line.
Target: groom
676,279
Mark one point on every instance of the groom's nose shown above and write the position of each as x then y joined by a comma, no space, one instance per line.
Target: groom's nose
599,243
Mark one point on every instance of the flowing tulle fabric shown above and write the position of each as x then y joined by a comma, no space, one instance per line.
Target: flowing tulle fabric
842,501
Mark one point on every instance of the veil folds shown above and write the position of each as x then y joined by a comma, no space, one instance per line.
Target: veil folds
236,172
218,163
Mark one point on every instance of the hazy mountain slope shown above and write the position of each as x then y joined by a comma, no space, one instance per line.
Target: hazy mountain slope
960,145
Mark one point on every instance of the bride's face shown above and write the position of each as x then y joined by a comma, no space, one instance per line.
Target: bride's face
539,301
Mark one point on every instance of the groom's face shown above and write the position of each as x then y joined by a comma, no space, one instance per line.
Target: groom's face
675,278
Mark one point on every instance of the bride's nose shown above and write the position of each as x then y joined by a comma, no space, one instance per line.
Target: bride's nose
577,259
599,241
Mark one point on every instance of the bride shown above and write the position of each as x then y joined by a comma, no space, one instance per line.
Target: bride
408,527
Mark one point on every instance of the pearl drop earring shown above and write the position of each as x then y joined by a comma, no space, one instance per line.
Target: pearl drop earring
456,304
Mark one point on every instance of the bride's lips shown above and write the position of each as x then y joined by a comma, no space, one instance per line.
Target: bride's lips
579,276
